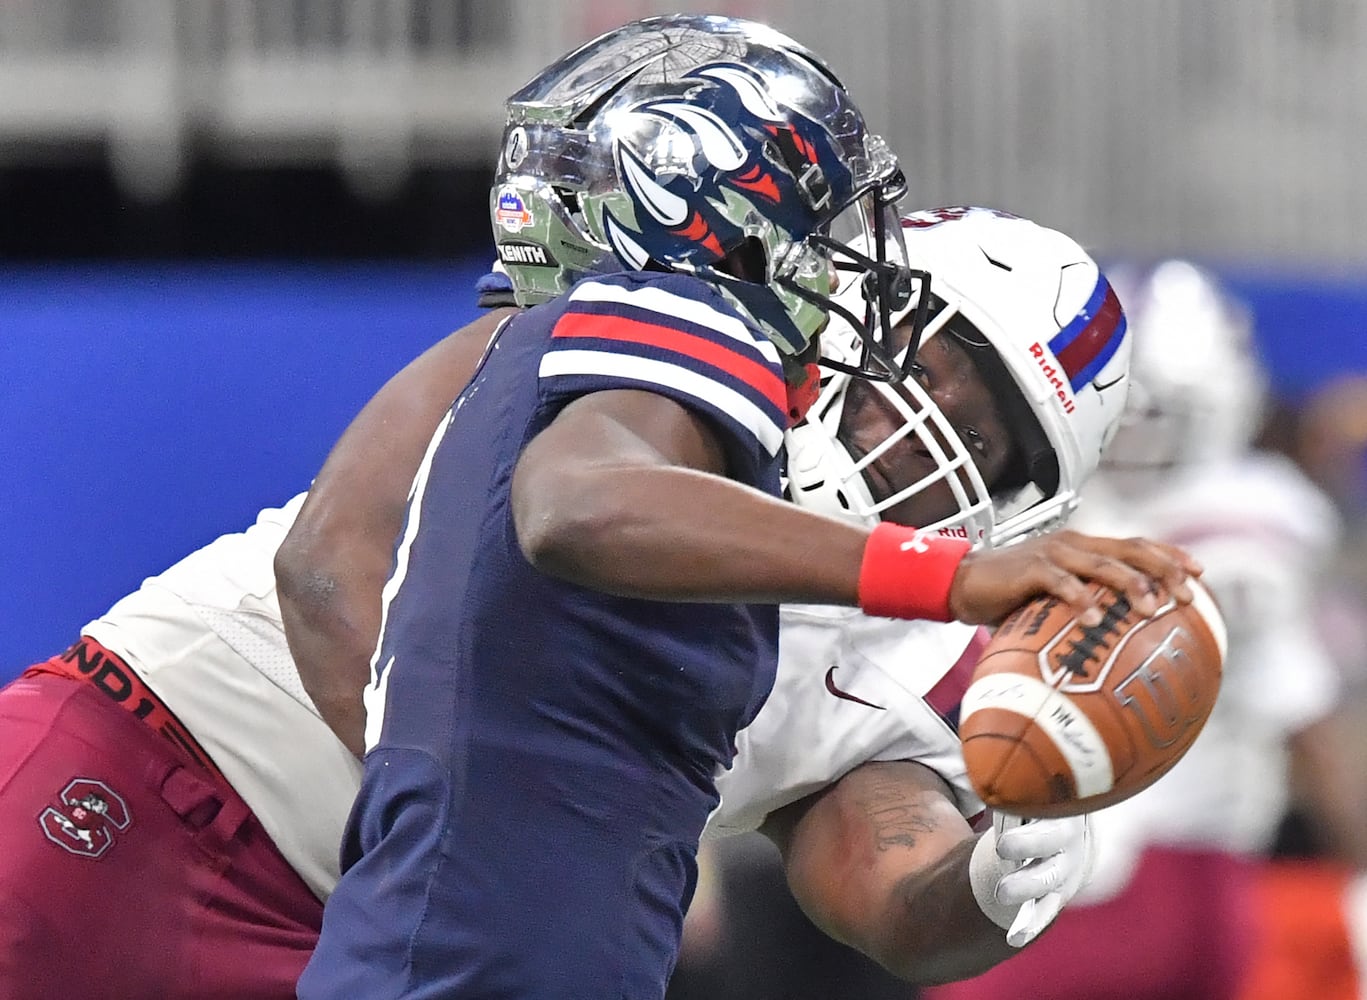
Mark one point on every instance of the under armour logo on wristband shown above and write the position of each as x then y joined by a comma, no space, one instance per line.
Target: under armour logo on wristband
916,543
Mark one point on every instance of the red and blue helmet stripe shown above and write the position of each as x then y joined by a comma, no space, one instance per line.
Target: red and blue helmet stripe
1090,340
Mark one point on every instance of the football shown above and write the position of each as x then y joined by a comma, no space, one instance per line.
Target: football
1060,719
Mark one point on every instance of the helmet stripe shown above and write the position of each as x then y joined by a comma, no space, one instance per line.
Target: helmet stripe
1085,345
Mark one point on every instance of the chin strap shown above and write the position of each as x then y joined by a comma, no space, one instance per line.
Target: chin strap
801,398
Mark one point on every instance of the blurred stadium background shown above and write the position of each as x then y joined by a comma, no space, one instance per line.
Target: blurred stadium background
224,223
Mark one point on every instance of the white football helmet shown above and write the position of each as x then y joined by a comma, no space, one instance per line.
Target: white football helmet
1045,333
1199,387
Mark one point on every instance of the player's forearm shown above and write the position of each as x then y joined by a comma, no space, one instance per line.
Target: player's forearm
933,930
880,862
628,492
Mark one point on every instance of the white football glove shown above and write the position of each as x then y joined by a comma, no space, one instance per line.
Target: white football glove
1023,872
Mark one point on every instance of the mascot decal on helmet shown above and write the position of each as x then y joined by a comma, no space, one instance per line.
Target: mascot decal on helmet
782,168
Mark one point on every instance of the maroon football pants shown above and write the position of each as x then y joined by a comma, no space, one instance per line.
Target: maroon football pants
128,872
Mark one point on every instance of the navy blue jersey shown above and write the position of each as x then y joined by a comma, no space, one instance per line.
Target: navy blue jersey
541,756
473,635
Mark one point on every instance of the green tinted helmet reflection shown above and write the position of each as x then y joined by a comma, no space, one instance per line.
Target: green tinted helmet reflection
676,143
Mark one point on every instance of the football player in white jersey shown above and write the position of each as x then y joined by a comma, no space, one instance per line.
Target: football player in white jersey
1169,912
869,702
225,833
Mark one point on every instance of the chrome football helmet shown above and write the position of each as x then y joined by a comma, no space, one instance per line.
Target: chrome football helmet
1199,387
1045,334
713,146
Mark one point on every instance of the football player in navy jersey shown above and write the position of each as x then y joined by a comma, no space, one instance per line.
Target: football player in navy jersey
581,612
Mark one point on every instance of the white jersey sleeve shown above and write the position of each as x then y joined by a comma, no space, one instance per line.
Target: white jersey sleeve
206,635
850,689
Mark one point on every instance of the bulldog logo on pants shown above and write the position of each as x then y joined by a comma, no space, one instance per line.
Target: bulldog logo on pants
85,822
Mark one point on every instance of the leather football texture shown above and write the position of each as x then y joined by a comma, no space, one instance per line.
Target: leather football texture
1062,719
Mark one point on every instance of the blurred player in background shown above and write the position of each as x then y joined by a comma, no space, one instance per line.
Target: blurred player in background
1171,912
583,608
1312,896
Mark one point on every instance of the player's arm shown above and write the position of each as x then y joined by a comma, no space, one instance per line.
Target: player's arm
332,566
625,492
882,861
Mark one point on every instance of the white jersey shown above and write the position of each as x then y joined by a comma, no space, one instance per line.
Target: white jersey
1263,533
206,636
850,689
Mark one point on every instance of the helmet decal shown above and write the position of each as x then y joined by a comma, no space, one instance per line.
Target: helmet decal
748,87
664,206
718,143
512,212
625,247
757,180
1090,340
726,100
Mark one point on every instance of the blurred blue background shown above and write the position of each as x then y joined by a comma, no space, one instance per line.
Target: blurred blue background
148,408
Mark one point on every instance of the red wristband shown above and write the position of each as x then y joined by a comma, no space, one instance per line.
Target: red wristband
907,574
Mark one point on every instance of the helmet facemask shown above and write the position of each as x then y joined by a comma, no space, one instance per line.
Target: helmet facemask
834,463
857,245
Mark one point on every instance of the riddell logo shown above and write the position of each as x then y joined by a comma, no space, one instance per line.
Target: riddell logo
1061,388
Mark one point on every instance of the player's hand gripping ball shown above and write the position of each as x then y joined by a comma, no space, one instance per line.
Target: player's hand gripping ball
1061,719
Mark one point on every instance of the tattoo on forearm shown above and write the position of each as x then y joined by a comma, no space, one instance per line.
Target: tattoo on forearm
897,814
